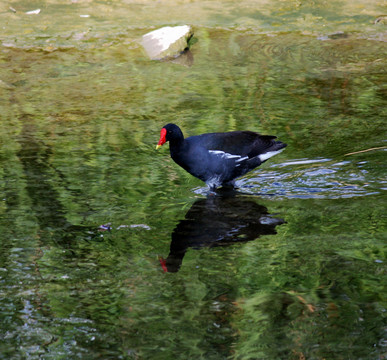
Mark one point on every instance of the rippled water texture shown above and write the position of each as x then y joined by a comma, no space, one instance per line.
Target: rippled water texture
316,178
109,250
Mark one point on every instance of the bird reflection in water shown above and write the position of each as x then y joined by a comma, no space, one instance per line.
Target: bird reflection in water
218,221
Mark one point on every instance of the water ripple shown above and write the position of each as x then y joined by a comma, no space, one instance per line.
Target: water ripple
314,178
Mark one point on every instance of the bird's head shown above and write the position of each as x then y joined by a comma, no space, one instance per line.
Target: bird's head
169,132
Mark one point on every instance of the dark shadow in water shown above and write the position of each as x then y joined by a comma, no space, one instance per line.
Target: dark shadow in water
50,214
218,221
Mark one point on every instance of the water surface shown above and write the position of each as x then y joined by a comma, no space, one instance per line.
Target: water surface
292,266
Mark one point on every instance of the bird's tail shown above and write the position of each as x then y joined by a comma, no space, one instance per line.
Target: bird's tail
274,149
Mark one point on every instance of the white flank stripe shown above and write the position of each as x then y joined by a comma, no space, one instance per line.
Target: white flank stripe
268,155
224,154
241,159
216,152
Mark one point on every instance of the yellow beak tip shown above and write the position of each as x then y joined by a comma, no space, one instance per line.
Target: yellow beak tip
158,147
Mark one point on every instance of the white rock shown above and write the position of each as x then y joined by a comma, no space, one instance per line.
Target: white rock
167,42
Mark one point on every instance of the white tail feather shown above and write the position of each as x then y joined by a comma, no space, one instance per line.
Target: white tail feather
268,155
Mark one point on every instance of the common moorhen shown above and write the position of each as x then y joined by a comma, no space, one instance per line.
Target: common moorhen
219,158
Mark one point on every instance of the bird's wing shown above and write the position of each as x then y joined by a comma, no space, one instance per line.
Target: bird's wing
240,144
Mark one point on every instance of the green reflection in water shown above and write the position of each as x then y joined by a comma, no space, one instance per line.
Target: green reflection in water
80,116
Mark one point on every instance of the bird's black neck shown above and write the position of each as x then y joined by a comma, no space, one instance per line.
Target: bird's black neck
176,142
175,148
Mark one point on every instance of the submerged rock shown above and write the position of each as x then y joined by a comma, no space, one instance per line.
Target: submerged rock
185,59
334,36
382,19
167,42
33,12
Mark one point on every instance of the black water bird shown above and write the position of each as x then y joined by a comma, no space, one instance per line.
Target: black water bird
219,158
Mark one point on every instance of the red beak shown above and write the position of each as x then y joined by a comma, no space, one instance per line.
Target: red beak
163,134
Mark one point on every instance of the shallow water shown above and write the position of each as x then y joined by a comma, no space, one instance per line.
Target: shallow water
291,266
